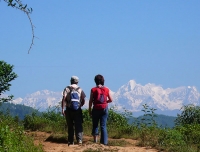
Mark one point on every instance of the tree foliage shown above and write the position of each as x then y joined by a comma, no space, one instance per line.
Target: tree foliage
6,76
189,115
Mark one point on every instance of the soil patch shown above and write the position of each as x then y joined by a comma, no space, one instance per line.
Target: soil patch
60,145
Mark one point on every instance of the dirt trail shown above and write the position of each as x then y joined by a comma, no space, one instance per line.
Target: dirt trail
50,146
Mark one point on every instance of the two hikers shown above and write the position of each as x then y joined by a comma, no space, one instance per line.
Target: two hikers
74,99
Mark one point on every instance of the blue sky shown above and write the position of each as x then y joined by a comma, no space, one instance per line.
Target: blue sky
148,41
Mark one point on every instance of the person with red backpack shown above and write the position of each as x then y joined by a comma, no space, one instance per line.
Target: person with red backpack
98,108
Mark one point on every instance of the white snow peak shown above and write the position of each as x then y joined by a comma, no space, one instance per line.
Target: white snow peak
130,96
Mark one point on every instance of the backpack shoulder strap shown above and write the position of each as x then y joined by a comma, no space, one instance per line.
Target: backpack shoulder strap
77,88
69,87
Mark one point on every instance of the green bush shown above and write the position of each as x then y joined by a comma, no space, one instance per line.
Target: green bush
34,122
13,137
171,140
49,121
148,136
87,122
190,114
12,140
191,133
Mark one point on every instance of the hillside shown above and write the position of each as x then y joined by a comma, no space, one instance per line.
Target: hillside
17,110
22,110
161,120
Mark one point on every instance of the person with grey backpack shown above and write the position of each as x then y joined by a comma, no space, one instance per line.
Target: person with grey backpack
72,101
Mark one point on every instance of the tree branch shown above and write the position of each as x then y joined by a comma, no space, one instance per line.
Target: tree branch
18,5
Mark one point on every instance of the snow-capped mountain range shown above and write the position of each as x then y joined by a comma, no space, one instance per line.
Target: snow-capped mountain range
130,96
40,100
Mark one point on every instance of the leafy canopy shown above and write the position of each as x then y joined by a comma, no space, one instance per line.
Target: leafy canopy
6,76
190,115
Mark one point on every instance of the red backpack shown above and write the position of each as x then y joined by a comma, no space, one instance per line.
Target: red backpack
100,95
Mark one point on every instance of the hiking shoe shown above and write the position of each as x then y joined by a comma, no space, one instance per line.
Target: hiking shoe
80,142
70,143
95,139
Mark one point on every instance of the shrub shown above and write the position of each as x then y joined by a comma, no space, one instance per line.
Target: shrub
191,133
171,140
116,119
87,122
148,136
50,121
13,138
189,115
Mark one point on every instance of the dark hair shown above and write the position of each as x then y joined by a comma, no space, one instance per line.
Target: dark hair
73,82
99,79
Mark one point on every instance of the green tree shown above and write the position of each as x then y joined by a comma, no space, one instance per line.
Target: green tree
190,115
6,76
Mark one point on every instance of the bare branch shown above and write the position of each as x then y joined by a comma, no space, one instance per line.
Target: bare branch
18,5
33,36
